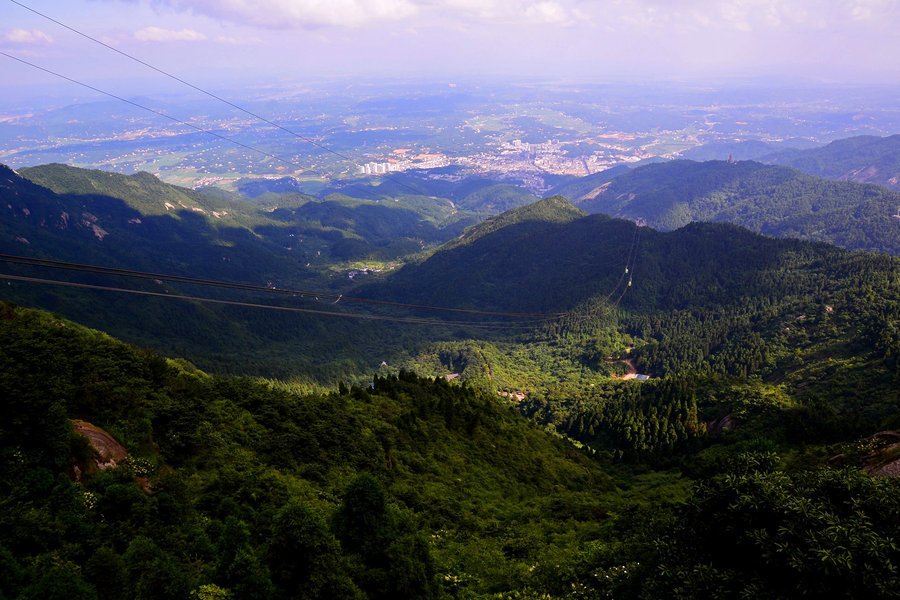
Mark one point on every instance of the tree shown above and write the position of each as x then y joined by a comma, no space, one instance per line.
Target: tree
395,562
305,558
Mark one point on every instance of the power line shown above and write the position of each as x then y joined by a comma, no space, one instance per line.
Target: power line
207,92
182,81
631,258
293,309
71,266
154,111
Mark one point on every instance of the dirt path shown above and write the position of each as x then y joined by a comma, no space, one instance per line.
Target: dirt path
632,370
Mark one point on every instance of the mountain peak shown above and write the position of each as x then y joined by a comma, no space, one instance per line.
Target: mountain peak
554,209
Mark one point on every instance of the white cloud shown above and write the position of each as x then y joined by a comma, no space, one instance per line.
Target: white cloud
864,10
286,14
157,34
745,15
547,12
28,36
638,17
233,41
735,14
300,13
551,12
470,9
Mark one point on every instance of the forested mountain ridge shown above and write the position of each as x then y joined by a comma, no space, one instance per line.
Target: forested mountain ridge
771,200
554,209
142,191
105,229
336,228
466,193
585,187
557,263
547,257
863,159
708,297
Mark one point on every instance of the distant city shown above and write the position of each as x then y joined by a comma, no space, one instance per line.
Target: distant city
492,133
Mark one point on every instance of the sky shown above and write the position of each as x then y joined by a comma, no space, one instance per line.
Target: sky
223,43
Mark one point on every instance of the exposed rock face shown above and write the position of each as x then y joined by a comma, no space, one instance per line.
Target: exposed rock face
884,461
882,458
109,451
720,425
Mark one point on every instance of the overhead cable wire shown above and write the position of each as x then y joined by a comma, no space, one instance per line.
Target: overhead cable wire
71,266
154,111
207,92
628,258
130,273
410,320
633,263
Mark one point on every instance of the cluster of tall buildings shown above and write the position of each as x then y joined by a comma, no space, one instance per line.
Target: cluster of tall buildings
551,146
379,168
374,168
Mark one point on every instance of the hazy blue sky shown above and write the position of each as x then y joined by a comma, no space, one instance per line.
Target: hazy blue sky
292,40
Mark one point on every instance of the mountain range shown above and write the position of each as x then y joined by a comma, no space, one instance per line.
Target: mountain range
548,259
772,200
863,159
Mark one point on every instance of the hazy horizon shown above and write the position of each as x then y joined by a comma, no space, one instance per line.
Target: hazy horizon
286,42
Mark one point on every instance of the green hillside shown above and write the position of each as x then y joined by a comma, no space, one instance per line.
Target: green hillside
417,488
863,159
585,187
713,299
771,200
109,230
554,209
449,187
142,191
546,258
320,232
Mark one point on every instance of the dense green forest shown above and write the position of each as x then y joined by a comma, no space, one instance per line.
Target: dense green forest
406,488
708,297
300,235
581,187
285,241
419,488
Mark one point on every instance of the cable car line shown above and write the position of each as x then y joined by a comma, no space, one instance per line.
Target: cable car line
182,81
129,273
633,262
628,258
369,317
70,266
